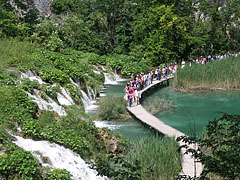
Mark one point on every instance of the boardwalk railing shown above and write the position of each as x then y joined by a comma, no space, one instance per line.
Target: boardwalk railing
189,166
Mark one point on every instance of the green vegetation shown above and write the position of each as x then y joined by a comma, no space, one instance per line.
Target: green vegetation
216,75
75,131
112,108
128,36
219,147
148,158
158,157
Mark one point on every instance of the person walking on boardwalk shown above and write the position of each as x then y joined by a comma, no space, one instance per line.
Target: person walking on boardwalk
130,96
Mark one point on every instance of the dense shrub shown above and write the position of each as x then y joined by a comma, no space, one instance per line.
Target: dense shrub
29,85
19,164
111,108
57,174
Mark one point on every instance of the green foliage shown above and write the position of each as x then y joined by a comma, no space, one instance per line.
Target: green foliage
158,157
223,74
14,51
19,164
111,108
57,174
222,142
51,91
135,67
118,168
6,80
18,108
6,144
29,85
10,26
148,158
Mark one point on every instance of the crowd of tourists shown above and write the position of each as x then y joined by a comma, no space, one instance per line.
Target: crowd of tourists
209,58
142,80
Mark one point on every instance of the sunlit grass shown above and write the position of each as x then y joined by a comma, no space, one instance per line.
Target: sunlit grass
12,51
223,75
159,157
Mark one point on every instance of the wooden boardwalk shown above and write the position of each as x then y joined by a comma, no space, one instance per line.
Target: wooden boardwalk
189,166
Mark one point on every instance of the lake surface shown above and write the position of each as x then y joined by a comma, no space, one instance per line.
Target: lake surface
191,112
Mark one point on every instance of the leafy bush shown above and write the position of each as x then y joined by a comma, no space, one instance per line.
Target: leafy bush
18,108
51,75
19,164
219,147
111,108
57,174
6,80
29,85
51,91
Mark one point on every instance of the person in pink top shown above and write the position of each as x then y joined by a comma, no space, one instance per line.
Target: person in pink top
130,96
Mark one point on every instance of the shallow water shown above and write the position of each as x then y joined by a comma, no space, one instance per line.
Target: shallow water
192,111
132,128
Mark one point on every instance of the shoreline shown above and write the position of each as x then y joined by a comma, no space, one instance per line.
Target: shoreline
200,89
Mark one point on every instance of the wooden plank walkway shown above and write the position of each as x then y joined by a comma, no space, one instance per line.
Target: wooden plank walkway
189,166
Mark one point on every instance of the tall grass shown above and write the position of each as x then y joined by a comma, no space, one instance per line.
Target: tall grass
223,75
159,157
12,51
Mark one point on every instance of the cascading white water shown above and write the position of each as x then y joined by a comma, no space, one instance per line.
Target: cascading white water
29,74
102,124
109,79
59,157
89,105
64,97
49,105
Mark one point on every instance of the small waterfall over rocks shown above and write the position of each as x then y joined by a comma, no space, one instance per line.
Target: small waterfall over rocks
58,157
30,75
49,105
65,98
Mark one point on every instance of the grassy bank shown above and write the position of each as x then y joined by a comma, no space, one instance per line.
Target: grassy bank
148,158
223,75
158,157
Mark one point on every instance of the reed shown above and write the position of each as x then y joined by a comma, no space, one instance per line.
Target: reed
159,157
217,75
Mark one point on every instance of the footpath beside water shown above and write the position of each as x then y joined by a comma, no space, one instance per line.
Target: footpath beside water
189,166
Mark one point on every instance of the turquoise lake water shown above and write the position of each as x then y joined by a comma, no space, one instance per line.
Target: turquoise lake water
191,112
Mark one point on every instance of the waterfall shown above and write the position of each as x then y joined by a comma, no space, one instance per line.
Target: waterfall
89,105
48,105
102,124
64,97
29,74
109,79
58,157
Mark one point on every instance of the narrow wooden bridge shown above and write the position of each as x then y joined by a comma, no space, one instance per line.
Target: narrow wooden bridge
189,166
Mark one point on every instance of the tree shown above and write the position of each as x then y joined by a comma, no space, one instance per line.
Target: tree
161,32
222,139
